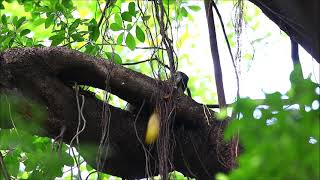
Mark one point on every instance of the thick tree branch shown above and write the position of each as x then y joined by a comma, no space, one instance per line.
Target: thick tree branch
41,74
298,18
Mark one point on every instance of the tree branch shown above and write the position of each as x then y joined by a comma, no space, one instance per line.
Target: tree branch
298,19
41,74
215,53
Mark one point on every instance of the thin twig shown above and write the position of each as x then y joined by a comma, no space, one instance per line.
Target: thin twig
147,60
229,48
10,115
139,62
103,13
4,169
165,39
197,155
114,44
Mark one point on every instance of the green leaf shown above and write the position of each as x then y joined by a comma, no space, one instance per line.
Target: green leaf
285,137
49,21
118,19
145,18
59,7
9,1
91,49
93,28
15,20
38,21
115,27
74,25
12,163
274,101
9,139
1,5
20,22
77,37
132,8
168,2
36,174
130,41
8,40
194,8
67,4
126,16
24,32
184,12
4,19
4,30
28,6
57,39
29,42
129,27
140,34
114,57
89,168
120,38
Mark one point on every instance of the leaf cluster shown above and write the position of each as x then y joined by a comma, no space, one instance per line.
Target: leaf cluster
25,155
280,135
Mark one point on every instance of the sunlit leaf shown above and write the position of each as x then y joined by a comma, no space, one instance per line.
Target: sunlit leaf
126,16
194,8
115,27
145,18
15,20
74,25
132,8
49,21
120,38
130,41
184,12
28,6
77,37
118,19
140,34
20,22
38,21
91,49
129,27
222,114
114,57
57,39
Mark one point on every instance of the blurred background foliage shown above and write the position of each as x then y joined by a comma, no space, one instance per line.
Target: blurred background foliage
279,135
274,135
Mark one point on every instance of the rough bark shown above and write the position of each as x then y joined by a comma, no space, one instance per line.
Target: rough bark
43,74
298,18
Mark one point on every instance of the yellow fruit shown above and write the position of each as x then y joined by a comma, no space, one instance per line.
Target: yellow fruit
153,128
